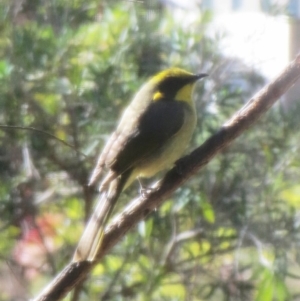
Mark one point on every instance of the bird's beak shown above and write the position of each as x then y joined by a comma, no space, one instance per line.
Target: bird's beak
200,75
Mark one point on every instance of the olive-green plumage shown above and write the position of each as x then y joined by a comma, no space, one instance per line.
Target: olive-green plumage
152,134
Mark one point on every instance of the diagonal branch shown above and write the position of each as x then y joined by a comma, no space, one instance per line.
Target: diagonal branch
139,208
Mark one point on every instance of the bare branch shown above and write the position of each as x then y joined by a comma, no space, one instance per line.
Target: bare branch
139,208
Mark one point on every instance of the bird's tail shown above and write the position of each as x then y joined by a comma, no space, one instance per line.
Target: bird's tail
91,239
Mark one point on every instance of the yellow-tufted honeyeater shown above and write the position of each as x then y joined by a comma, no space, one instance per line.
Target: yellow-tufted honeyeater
152,134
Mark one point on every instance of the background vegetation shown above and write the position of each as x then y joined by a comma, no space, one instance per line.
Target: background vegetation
68,68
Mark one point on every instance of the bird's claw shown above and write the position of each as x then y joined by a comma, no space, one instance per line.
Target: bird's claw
144,192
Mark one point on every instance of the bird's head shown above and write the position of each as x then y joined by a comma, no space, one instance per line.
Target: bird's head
175,84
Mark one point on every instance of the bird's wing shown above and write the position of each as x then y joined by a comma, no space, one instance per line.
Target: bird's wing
155,127
129,145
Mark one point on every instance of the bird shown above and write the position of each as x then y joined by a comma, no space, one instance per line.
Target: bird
151,136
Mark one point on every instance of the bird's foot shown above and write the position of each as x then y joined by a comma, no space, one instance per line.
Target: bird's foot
144,191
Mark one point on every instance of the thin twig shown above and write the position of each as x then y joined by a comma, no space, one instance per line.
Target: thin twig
32,129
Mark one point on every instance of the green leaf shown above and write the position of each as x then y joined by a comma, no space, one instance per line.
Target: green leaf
208,212
5,69
291,195
50,102
265,289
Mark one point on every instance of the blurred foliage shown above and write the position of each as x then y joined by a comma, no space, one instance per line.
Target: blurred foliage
69,68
